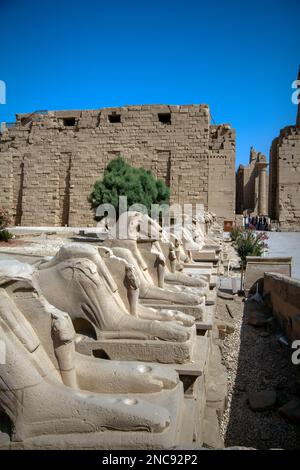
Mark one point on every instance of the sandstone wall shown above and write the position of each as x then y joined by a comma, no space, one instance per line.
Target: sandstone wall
284,192
248,196
50,161
221,171
285,298
246,181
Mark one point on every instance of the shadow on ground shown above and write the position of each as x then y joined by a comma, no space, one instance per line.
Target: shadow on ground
262,364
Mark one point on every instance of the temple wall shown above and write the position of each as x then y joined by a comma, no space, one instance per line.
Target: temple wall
50,161
285,298
284,191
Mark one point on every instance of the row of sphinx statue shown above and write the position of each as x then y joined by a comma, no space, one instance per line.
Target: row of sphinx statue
91,336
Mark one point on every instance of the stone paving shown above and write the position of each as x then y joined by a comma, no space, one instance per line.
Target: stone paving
286,244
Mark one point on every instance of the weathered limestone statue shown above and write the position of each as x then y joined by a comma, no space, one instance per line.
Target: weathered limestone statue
174,276
77,281
198,231
171,256
154,267
128,278
134,225
178,252
191,237
163,277
57,398
151,293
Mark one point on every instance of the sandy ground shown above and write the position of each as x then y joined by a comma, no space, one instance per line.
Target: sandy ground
38,244
256,362
13,243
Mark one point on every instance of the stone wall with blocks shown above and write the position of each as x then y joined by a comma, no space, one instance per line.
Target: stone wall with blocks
252,186
284,193
284,295
50,160
284,182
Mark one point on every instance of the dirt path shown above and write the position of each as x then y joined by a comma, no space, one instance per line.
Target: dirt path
256,361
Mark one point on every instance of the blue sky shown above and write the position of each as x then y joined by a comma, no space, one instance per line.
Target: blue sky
238,57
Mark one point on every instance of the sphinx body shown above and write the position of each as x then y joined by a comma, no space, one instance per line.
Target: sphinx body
134,225
128,277
46,388
147,290
174,276
77,280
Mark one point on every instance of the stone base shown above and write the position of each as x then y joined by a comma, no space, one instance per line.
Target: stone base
212,247
211,434
213,281
211,297
216,399
193,375
179,432
139,350
208,322
193,310
208,255
216,382
197,366
208,273
199,264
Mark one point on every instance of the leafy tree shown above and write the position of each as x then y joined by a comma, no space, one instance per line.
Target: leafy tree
138,184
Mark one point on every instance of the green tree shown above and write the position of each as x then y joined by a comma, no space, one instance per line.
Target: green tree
138,184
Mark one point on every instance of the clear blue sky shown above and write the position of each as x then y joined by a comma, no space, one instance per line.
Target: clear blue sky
239,57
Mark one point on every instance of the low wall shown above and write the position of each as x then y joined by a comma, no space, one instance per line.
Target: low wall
257,266
285,298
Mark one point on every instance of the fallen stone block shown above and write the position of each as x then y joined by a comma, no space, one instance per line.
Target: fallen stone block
224,295
225,328
263,400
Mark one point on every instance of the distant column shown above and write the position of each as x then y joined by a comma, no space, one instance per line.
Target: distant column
262,189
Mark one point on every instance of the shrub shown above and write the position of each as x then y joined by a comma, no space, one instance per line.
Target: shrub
235,233
5,235
138,184
4,218
250,243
